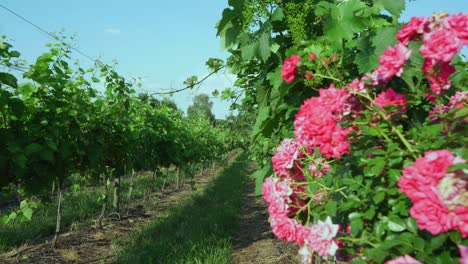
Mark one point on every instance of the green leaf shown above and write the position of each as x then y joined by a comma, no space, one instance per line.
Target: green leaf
379,197
395,7
411,225
461,112
343,20
275,78
277,15
376,254
331,208
366,60
27,212
259,176
8,79
95,79
383,38
377,165
16,106
438,241
27,89
379,228
356,226
396,224
23,204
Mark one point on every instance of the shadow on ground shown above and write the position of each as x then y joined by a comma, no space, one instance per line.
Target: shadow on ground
198,230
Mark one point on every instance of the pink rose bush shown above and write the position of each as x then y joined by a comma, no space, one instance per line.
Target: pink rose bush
354,164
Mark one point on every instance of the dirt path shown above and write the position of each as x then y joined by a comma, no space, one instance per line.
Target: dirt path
255,242
92,245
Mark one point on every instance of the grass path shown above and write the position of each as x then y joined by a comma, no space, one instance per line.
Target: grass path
255,242
197,231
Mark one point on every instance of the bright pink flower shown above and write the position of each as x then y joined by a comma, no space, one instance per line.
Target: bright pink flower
439,76
433,216
391,64
440,198
302,233
424,173
321,238
334,99
416,25
283,227
440,45
458,24
286,155
314,126
406,259
289,68
390,97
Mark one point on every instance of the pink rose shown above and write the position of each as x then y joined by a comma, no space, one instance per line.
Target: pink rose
286,156
321,238
284,228
440,45
289,68
416,25
390,97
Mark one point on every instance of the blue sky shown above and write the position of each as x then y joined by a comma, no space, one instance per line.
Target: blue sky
163,42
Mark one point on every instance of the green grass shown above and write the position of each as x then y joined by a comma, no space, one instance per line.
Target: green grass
197,231
79,209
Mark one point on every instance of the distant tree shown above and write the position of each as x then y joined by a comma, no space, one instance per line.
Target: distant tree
201,108
147,98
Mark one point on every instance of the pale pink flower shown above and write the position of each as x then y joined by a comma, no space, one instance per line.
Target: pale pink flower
463,254
286,155
321,238
391,64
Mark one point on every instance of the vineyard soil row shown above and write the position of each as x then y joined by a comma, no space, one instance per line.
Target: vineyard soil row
82,243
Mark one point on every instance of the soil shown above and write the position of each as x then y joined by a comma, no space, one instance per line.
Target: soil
255,242
94,245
